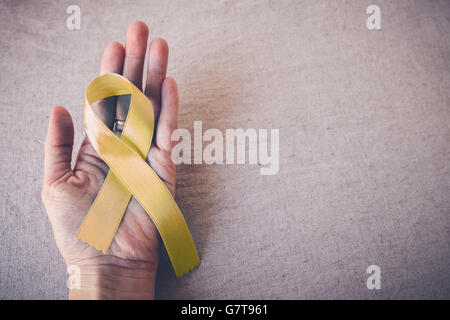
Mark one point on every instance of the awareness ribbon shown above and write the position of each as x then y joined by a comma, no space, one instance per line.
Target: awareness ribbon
130,175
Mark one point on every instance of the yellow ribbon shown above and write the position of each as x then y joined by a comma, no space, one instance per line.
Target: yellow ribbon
130,174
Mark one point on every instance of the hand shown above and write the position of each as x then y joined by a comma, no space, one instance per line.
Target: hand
128,269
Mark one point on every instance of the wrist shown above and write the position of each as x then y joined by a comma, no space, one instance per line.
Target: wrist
109,277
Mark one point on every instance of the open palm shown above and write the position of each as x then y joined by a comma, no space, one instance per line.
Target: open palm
69,192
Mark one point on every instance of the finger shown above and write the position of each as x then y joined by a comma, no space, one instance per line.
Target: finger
158,54
168,119
135,47
58,145
112,62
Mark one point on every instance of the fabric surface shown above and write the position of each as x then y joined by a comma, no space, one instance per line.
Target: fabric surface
363,116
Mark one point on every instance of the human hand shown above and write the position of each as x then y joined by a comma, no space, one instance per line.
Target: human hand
129,268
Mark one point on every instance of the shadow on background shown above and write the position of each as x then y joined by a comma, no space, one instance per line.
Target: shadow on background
211,99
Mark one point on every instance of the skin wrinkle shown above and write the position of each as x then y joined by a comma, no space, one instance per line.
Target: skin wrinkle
89,159
165,166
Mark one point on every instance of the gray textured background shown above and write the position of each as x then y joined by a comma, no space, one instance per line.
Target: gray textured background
364,141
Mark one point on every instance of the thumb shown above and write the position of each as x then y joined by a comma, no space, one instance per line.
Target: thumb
58,145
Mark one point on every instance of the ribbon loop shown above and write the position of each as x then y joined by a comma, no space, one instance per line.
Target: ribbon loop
129,175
